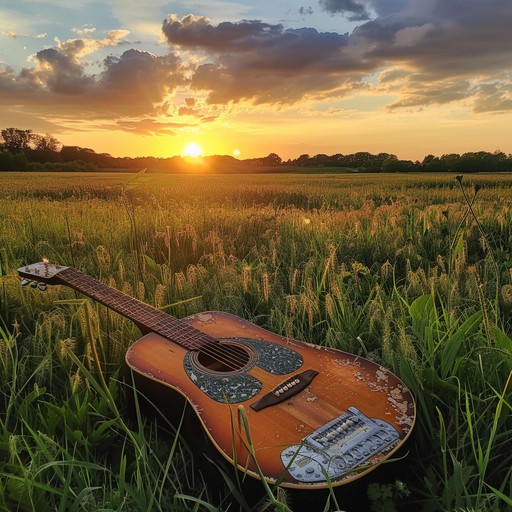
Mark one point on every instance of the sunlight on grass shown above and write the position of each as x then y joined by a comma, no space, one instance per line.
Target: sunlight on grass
395,268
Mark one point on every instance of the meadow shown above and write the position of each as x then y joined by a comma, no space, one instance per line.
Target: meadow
411,271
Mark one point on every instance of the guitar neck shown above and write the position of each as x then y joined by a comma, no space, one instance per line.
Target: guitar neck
147,318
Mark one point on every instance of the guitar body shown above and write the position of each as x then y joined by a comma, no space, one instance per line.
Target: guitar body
344,381
291,413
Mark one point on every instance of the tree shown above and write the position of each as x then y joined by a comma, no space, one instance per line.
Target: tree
46,143
273,159
16,140
451,161
434,164
391,165
303,160
320,160
13,162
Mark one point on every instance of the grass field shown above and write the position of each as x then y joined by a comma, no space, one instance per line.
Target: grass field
411,271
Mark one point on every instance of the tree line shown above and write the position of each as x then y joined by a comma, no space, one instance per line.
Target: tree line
24,150
386,162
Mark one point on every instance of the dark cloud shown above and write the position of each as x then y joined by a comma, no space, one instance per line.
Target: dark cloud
355,10
306,11
385,7
451,38
450,45
197,32
132,84
8,79
193,108
447,48
61,72
138,80
263,63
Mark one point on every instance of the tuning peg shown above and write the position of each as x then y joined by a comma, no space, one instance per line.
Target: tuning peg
42,286
25,282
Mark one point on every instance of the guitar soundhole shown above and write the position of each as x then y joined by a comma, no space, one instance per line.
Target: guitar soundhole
224,358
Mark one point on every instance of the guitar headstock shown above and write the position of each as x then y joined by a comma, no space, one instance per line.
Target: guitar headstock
38,275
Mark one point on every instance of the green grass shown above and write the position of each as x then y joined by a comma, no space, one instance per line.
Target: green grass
396,268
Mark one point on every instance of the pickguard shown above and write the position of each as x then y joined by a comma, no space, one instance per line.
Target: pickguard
238,386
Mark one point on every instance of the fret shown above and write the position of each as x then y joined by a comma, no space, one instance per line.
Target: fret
142,314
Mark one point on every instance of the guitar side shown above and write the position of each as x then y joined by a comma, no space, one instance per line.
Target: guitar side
284,436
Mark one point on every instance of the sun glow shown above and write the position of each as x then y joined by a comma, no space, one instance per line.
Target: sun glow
193,150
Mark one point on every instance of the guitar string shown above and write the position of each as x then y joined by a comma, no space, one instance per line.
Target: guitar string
218,351
222,353
215,348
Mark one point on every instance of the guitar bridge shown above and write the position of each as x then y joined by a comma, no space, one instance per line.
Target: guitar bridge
290,387
339,447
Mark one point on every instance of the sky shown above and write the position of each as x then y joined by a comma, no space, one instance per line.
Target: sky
249,78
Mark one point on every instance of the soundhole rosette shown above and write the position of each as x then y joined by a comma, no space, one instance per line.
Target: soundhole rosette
230,382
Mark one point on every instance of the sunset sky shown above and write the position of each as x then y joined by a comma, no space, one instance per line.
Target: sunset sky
247,78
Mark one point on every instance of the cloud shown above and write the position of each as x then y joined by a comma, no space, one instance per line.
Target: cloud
493,97
132,84
135,82
198,32
83,31
413,93
451,46
260,62
356,11
59,71
423,53
306,11
456,37
447,48
385,7
148,126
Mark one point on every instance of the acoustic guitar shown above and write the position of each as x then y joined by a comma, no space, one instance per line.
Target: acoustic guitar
292,413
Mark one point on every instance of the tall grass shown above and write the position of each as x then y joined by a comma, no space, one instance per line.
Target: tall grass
395,268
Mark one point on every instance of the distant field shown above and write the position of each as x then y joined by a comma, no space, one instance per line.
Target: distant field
402,269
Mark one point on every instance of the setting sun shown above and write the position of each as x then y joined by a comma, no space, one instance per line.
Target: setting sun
192,149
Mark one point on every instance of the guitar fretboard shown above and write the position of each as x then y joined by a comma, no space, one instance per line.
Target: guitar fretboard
147,318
